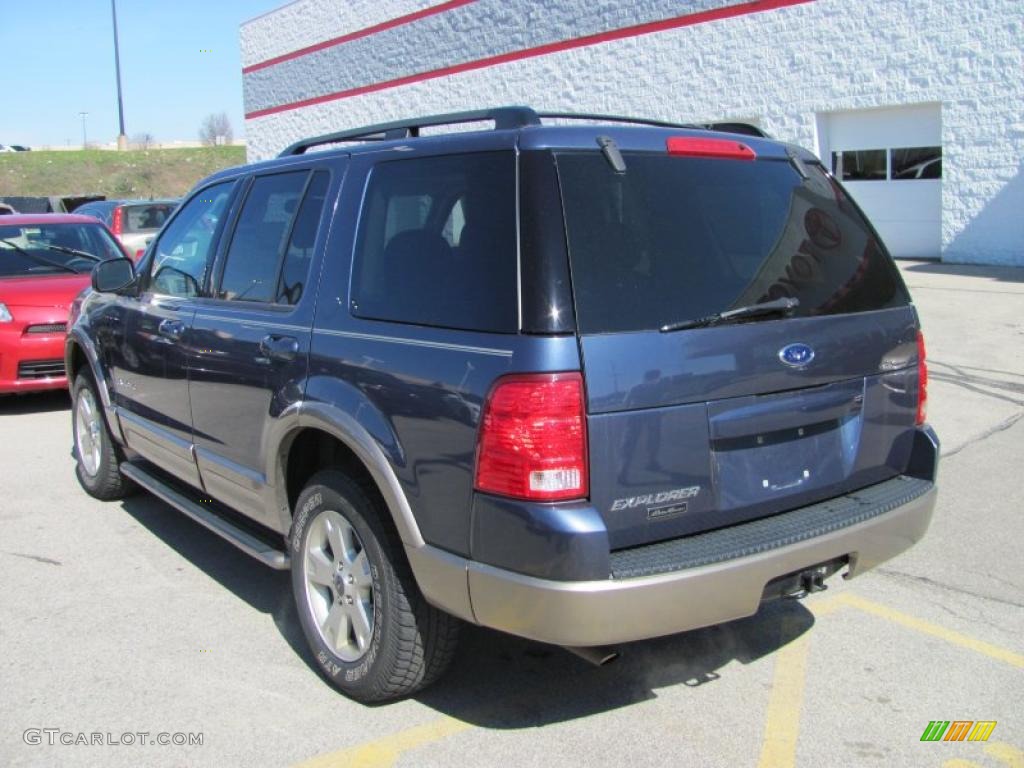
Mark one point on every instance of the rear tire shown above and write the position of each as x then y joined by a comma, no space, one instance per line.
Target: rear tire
97,458
374,636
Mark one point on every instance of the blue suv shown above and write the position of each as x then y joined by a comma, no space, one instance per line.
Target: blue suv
582,379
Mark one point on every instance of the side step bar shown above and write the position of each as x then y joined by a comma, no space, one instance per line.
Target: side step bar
245,541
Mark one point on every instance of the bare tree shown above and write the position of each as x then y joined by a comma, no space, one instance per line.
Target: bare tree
143,140
216,129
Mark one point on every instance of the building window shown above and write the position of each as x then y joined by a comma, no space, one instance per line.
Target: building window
916,163
904,163
860,165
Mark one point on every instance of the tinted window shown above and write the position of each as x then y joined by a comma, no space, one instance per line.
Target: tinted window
299,256
49,249
254,257
437,243
183,252
681,238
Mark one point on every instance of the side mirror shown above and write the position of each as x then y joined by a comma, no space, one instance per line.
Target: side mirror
112,275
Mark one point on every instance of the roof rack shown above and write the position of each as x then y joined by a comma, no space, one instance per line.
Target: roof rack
503,117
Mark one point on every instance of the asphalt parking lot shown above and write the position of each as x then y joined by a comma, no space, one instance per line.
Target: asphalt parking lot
127,617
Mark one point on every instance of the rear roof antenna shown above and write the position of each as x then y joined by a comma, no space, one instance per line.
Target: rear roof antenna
611,153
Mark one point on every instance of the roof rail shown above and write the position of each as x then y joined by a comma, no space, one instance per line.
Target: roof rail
503,117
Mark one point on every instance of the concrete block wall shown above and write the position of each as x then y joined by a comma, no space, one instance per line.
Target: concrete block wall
781,63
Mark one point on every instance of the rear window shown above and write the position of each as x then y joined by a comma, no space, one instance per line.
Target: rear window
437,243
676,239
147,218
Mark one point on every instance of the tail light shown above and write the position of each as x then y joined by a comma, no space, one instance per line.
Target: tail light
117,225
922,382
533,438
723,149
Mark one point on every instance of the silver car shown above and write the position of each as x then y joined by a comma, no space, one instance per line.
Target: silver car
133,222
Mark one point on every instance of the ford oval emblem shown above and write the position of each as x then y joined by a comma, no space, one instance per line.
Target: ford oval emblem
796,355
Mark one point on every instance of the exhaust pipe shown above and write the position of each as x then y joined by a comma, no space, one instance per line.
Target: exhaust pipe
597,655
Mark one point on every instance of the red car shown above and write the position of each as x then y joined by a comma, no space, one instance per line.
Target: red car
45,261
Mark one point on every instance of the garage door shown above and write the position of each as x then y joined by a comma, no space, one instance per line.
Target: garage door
891,162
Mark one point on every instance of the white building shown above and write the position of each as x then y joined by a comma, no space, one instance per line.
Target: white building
917,104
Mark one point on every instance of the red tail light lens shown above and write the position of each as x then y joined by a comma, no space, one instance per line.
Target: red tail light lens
725,149
117,225
533,438
922,382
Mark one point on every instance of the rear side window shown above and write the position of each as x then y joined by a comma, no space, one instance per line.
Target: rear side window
437,243
264,225
677,239
299,255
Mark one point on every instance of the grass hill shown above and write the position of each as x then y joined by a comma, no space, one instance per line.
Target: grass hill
136,173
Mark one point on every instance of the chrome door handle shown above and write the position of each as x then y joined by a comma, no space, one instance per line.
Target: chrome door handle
171,329
279,347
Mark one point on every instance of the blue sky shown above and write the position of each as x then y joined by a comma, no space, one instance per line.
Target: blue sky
58,60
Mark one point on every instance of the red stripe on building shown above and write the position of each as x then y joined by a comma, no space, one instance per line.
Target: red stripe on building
755,6
384,25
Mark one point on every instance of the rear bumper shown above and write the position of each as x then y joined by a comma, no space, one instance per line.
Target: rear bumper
616,610
621,610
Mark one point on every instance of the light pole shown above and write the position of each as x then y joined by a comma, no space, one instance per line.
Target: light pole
122,139
85,141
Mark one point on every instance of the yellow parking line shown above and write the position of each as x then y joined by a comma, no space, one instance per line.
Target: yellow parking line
782,722
384,752
1005,754
925,627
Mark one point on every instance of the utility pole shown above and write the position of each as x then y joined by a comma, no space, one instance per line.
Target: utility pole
85,141
122,139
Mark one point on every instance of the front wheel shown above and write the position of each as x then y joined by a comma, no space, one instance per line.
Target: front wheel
96,457
373,635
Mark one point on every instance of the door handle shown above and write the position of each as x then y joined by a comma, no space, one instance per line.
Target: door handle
171,329
279,347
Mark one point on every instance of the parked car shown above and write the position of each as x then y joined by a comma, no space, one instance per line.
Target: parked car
586,384
133,222
5,148
45,260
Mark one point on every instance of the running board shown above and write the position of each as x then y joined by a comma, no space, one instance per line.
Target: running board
245,541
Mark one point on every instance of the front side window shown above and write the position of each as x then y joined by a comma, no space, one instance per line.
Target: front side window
184,252
436,243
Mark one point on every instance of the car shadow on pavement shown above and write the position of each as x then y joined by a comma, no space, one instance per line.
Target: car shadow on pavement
504,682
1004,274
497,680
263,588
37,402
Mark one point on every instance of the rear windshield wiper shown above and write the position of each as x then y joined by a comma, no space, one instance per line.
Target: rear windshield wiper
38,259
776,306
74,252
